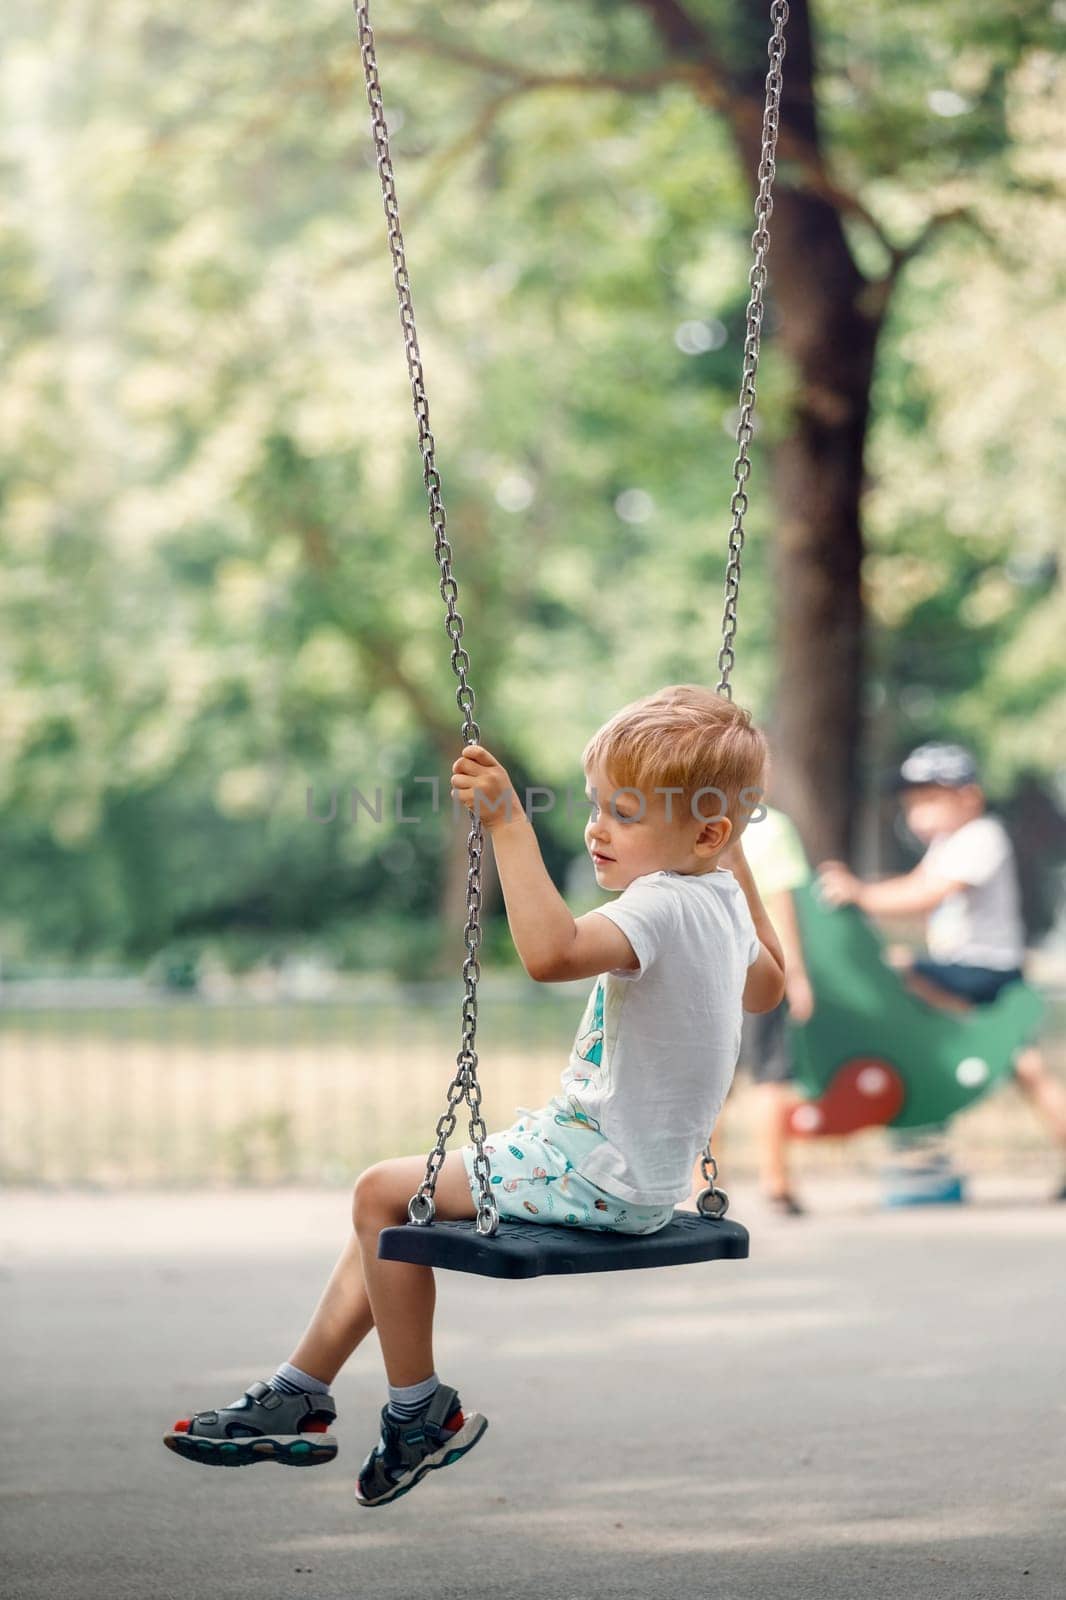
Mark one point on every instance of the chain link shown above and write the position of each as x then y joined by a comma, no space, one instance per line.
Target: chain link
464,1086
760,244
712,1202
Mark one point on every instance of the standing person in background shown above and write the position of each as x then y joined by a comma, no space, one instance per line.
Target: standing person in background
778,865
967,886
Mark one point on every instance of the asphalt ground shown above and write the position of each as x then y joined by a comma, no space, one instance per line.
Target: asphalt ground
872,1406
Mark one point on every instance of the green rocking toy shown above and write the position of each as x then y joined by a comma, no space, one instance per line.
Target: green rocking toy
873,1054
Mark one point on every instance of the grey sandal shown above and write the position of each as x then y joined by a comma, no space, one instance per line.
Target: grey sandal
408,1450
264,1425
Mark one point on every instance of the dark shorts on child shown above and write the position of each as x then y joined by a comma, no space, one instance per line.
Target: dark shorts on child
979,985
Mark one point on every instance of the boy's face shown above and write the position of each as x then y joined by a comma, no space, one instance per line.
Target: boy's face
624,843
932,808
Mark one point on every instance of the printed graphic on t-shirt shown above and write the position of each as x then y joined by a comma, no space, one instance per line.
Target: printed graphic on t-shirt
652,1058
587,1062
589,1042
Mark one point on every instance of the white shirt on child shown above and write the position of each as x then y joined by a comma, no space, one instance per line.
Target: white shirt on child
656,1049
979,925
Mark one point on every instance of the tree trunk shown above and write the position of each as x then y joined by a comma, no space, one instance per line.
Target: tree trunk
828,322
816,728
828,328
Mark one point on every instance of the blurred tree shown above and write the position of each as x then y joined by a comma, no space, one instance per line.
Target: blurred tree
836,267
218,581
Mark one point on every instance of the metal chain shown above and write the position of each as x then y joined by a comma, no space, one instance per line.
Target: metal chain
464,1085
712,1201
760,244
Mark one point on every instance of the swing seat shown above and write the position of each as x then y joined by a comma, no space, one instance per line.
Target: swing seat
536,1249
875,1055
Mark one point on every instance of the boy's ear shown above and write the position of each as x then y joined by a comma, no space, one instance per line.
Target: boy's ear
716,834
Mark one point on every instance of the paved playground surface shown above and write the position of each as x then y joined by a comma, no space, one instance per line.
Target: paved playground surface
873,1406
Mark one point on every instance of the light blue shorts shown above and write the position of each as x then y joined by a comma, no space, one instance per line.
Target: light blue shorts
533,1176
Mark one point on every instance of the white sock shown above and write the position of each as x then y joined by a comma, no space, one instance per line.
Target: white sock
405,1403
290,1380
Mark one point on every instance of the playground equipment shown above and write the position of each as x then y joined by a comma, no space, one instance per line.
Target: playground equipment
875,1055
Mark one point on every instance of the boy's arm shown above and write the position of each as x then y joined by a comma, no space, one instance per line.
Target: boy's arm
910,893
552,945
765,986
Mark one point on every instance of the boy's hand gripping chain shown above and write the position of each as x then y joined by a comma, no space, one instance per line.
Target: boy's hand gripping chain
712,1202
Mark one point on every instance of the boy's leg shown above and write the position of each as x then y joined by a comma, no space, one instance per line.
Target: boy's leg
341,1320
424,1426
343,1317
933,993
776,1100
771,1070
288,1424
1046,1092
402,1296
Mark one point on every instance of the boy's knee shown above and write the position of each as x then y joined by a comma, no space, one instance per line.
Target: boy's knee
364,1194
370,1195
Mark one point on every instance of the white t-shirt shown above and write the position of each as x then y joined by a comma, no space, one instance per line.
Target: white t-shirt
656,1049
980,925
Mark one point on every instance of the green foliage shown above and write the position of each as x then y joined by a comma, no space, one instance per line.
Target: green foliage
219,586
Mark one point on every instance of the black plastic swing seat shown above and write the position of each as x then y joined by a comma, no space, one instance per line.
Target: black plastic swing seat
533,1249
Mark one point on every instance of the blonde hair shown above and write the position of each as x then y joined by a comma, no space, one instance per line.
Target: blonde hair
689,738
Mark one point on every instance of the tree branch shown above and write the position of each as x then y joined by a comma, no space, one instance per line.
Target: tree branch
706,76
639,83
685,37
381,661
903,255
815,180
696,64
440,165
744,107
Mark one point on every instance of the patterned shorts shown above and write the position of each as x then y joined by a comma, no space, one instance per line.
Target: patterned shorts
534,1180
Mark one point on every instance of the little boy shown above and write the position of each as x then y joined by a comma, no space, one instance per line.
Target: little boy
967,885
673,780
